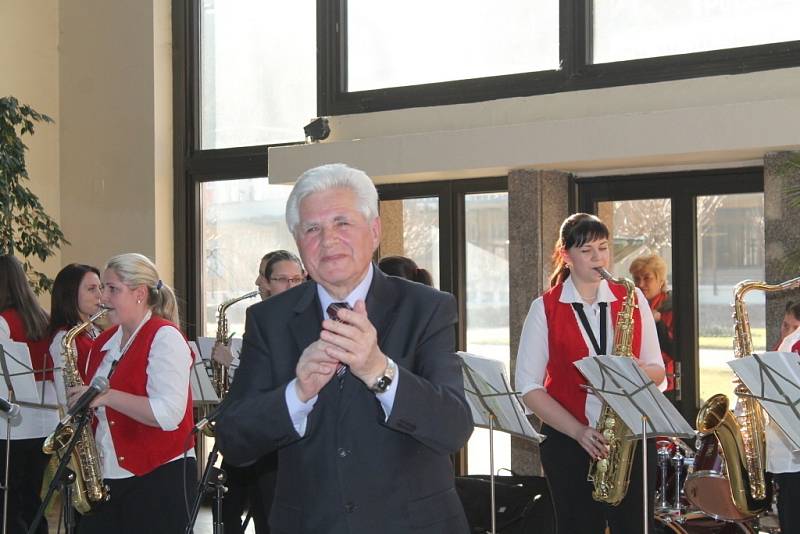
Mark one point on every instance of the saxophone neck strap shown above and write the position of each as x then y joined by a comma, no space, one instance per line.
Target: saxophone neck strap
599,348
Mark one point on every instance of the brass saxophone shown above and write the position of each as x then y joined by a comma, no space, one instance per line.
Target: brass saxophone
219,372
740,434
89,489
611,475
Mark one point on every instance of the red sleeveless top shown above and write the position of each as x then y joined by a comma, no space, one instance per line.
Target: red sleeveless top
566,345
140,448
41,361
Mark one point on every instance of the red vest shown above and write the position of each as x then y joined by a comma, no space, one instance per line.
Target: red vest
40,350
566,346
140,448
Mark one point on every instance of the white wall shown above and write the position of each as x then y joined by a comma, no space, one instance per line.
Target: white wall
29,71
716,121
116,130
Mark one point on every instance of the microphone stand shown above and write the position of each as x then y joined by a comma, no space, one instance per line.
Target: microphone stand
212,481
60,478
8,467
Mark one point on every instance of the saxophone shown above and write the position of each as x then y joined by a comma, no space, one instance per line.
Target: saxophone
89,489
740,434
219,372
611,475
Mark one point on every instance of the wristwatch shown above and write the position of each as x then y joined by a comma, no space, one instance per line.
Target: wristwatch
385,380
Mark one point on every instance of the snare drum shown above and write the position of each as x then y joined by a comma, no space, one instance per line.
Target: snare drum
698,523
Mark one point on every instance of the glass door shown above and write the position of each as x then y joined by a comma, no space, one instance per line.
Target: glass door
708,228
730,248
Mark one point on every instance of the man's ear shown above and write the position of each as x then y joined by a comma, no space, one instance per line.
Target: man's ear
376,228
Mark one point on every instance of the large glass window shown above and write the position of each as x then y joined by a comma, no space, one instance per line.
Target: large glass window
486,232
393,44
730,243
411,229
650,28
258,79
242,221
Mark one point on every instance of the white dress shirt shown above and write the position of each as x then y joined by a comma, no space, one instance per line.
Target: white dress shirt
534,354
167,388
299,410
31,422
781,456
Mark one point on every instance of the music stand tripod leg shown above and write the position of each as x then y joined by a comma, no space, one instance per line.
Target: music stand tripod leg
645,496
491,472
212,476
5,481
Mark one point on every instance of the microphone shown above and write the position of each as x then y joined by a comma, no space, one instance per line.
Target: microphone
9,409
98,386
209,421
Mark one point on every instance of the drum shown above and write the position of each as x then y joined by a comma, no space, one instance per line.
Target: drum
698,523
671,472
707,487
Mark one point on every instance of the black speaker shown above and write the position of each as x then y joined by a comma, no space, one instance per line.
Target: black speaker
522,504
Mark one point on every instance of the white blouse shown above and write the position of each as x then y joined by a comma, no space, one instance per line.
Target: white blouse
534,354
168,372
31,422
781,456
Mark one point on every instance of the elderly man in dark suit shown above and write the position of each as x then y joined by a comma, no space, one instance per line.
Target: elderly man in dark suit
352,378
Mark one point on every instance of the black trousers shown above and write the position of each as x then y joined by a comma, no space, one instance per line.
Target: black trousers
25,473
566,465
788,500
155,503
252,489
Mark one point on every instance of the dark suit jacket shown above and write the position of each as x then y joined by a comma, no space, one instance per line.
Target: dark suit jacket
352,471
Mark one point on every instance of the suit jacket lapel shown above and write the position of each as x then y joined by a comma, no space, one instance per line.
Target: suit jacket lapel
307,323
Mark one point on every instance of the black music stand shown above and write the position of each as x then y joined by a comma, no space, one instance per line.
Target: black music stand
621,383
773,379
495,406
18,381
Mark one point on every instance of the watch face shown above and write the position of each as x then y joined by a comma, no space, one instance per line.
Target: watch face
383,384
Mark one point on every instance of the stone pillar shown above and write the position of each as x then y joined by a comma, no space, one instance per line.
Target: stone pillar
781,233
538,201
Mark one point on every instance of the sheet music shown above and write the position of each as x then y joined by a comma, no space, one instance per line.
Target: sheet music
621,383
206,346
202,389
774,379
487,391
15,363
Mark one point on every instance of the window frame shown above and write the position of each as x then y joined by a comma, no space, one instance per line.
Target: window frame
682,188
577,71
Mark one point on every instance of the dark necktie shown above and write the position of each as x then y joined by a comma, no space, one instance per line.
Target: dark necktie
333,313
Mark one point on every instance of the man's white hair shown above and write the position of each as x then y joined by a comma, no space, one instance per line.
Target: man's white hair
332,176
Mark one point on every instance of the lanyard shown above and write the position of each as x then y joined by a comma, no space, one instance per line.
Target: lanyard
600,348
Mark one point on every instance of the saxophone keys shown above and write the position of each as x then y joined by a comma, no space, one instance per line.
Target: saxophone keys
609,421
602,465
608,433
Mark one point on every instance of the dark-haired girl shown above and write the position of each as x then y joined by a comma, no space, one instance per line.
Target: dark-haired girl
22,320
75,297
405,268
572,320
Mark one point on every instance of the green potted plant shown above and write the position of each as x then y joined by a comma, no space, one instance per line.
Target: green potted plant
25,229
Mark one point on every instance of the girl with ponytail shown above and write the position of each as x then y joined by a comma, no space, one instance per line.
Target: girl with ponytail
144,419
572,320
